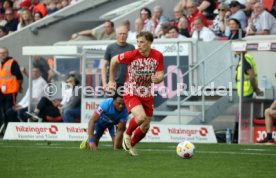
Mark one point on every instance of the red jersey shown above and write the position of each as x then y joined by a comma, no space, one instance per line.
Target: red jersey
192,17
140,68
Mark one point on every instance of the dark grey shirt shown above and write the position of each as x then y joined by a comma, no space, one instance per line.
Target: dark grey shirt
121,69
75,100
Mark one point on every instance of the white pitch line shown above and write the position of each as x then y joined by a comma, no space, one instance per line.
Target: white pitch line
35,147
235,153
148,150
251,149
219,152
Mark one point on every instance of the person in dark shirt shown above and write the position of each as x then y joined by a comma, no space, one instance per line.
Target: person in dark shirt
12,22
236,31
207,7
3,31
43,66
41,63
183,26
114,49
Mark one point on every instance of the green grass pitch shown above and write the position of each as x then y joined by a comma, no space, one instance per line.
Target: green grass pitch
155,160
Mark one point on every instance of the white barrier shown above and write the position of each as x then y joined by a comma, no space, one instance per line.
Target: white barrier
77,132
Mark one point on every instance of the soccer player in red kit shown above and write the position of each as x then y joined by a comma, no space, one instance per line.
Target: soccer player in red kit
145,66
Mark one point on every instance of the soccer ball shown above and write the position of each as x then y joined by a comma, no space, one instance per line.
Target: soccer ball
185,149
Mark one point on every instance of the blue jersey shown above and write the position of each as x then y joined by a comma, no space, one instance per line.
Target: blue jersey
109,114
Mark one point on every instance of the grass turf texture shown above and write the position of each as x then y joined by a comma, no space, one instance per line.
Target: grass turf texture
156,160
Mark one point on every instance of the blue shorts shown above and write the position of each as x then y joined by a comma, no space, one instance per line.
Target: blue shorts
100,127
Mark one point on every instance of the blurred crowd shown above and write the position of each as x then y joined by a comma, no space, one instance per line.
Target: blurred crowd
16,14
204,20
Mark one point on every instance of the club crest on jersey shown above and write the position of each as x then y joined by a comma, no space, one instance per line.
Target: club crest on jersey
100,110
122,56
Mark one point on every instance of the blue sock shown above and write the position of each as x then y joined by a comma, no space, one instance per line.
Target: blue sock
269,136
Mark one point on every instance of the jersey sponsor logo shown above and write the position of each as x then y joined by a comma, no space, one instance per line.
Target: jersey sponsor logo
144,66
139,73
145,72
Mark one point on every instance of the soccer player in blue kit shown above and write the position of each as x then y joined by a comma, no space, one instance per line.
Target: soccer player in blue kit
110,112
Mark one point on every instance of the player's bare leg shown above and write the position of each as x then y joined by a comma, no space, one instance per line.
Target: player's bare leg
139,133
139,117
270,114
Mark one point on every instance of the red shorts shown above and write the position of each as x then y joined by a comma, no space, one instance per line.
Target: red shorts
146,102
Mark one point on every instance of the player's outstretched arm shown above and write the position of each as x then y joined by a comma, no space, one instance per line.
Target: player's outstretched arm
119,136
113,64
158,77
82,33
92,140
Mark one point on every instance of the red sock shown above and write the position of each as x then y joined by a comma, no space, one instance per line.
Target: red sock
138,135
132,126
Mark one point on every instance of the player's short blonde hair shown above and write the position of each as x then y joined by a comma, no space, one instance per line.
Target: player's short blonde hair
146,34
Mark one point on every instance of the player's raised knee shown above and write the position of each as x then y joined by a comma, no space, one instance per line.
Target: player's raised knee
267,112
140,118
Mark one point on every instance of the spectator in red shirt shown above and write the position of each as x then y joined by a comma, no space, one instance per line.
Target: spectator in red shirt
26,4
35,6
193,12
